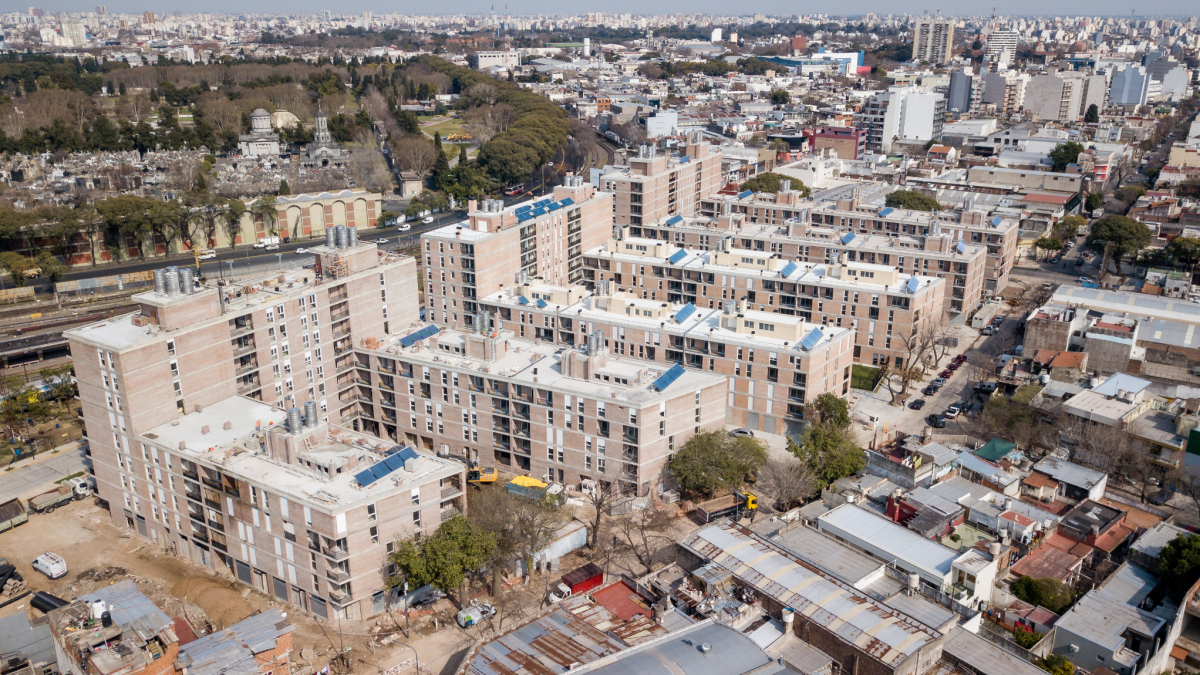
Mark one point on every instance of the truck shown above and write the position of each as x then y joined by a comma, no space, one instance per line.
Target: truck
12,514
729,505
269,243
984,315
48,501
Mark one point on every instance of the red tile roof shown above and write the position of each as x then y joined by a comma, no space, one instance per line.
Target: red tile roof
1040,480
1068,360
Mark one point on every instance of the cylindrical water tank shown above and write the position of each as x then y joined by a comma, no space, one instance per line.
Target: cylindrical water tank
186,283
160,281
331,237
351,236
341,236
1045,378
788,615
310,414
293,419
172,282
98,609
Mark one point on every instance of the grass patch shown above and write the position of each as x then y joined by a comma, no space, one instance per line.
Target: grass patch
77,474
445,128
1025,393
863,377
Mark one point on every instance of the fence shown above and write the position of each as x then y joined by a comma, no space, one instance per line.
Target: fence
97,285
14,295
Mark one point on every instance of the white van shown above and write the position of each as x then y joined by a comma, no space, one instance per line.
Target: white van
51,564
208,255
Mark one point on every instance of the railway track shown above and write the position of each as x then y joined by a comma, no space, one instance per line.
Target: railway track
30,326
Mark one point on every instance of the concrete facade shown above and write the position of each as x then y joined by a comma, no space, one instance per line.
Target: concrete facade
655,186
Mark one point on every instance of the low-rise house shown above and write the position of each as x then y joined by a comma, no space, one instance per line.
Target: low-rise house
1074,481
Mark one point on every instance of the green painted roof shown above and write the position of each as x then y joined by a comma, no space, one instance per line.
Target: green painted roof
995,449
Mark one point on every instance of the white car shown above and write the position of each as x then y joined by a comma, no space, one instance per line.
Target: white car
381,241
51,565
207,255
404,227
272,247
427,219
301,250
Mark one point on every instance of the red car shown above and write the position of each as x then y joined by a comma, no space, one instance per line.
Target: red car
960,358
947,373
954,365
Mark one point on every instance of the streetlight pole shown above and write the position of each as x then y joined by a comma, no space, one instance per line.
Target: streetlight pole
416,658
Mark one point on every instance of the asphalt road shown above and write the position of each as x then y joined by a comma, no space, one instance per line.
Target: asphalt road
42,474
249,256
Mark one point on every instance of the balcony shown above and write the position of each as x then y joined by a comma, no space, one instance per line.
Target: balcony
246,369
449,513
336,575
240,331
242,351
249,387
340,332
448,492
216,525
336,553
339,596
339,316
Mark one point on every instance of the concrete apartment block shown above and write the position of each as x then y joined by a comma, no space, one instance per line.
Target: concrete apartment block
881,303
267,343
492,249
655,186
533,408
773,363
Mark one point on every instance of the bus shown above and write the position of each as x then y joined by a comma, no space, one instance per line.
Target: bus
514,190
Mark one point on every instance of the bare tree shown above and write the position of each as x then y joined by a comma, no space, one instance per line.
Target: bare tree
1100,446
368,168
416,154
520,526
645,532
786,480
601,499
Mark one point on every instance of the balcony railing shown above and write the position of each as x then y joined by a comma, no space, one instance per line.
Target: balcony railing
247,368
339,596
238,332
249,388
448,492
336,553
337,575
449,513
339,316
242,351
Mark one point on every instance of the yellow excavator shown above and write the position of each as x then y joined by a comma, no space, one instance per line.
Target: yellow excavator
484,475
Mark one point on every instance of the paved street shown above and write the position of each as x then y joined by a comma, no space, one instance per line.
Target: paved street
30,478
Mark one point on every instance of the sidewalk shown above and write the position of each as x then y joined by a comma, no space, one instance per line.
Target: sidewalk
32,477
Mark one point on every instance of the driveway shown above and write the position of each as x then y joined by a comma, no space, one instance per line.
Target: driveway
29,479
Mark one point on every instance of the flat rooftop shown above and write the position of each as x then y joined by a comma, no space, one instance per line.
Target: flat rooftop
239,452
539,364
897,542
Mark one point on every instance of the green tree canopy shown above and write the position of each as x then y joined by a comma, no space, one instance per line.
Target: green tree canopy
829,450
1092,115
712,459
1127,235
1065,154
16,265
911,199
829,408
456,549
780,97
772,182
1046,592
1179,565
1130,193
1095,200
1048,244
1184,251
1057,664
1068,227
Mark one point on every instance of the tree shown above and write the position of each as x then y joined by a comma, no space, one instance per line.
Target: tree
51,267
1046,592
786,481
1068,228
1065,154
780,97
16,265
284,189
829,408
1179,565
829,451
1127,235
644,532
1095,200
601,499
1130,193
1092,116
1047,244
773,182
456,549
712,459
416,154
1026,639
1057,664
519,527
1185,251
913,200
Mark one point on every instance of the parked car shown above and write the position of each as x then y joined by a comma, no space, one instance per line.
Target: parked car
207,255
1160,497
954,365
937,421
742,432
917,404
381,241
301,251
938,381
50,564
950,414
961,358
427,220
1079,262
428,599
1086,280
947,373
987,330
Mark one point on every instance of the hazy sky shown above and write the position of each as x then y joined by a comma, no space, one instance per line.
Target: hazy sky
848,7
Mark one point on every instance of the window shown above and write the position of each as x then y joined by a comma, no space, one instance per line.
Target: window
374,534
371,512
417,519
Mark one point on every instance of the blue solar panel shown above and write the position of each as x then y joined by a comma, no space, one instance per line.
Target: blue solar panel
674,220
393,462
522,217
961,247
886,212
996,221
554,206
567,202
668,378
912,285
685,159
685,312
523,208
812,339
847,238
540,303
747,193
788,268
677,256
410,340
523,300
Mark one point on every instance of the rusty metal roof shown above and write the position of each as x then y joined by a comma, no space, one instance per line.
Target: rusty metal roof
881,632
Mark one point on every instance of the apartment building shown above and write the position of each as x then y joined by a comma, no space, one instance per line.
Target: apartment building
1006,90
584,413
498,244
656,185
774,363
808,231
882,305
181,400
902,114
1064,96
847,142
933,40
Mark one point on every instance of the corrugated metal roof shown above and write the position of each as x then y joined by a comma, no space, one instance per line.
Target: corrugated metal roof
887,635
232,651
130,609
